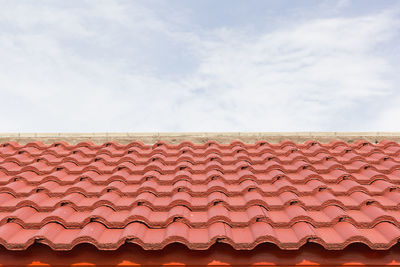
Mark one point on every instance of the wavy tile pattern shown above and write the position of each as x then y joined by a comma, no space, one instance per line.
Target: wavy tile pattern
198,194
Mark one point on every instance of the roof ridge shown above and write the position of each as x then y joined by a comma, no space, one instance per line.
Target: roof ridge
198,137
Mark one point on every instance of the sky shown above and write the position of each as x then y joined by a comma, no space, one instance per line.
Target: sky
195,66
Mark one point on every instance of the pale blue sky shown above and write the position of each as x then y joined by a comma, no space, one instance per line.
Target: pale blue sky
181,65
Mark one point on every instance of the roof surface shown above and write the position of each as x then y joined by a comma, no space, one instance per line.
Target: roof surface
287,194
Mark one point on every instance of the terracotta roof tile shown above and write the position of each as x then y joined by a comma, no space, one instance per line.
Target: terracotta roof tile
199,194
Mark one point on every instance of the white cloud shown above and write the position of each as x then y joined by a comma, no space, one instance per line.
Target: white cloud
112,67
305,77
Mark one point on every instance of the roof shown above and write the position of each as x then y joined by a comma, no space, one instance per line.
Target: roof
242,194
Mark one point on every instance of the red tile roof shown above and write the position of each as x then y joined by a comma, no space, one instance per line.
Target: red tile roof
199,194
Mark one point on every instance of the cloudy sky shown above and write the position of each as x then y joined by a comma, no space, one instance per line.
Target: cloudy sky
190,65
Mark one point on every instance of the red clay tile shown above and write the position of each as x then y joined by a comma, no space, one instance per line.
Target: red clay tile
242,194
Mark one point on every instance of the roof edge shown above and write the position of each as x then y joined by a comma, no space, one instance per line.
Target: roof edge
198,137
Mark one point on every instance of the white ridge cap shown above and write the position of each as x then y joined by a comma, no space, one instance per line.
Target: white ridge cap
198,137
